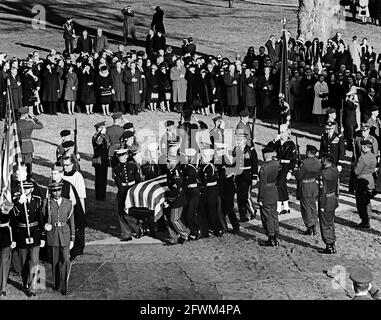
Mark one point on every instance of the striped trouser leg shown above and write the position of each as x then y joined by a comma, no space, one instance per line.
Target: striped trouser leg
177,224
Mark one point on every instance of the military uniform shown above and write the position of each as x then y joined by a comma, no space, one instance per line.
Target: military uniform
364,170
306,177
113,134
59,215
25,128
244,128
329,202
176,200
246,165
126,175
268,197
333,145
28,242
5,250
208,207
60,152
100,164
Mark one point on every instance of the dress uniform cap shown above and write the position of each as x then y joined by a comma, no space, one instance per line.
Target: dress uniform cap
330,124
190,152
103,68
172,157
244,113
57,167
203,125
121,152
153,146
374,108
311,148
241,134
23,110
367,143
28,184
68,144
207,152
55,185
365,126
140,53
330,111
117,115
268,149
169,123
219,145
127,134
361,275
215,119
100,124
173,143
128,126
65,133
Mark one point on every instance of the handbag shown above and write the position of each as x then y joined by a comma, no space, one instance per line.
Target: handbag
325,104
154,95
167,96
106,93
97,161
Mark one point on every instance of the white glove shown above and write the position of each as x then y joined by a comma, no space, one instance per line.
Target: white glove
134,80
71,245
48,227
22,199
113,91
166,204
13,245
260,204
42,243
288,177
234,82
339,168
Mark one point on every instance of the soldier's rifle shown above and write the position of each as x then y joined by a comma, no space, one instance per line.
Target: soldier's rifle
319,192
75,137
299,162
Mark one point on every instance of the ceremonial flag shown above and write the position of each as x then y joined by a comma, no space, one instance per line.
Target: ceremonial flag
149,194
284,83
10,157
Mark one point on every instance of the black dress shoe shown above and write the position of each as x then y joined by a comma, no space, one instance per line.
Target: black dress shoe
219,233
363,225
64,292
244,220
313,229
31,293
126,239
202,236
328,250
3,293
308,232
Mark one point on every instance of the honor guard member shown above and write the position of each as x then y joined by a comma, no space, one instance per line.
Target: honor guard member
69,34
268,195
60,236
25,127
6,245
306,176
175,202
127,142
331,114
364,170
333,143
60,152
217,133
69,152
28,226
246,174
329,202
243,126
224,163
169,137
362,284
129,126
150,167
286,154
365,135
126,174
192,190
375,123
113,134
185,132
208,208
100,160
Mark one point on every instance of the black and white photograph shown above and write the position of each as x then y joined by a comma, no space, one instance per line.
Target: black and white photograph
195,156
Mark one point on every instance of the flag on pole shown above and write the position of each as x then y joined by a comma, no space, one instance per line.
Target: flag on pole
149,194
284,83
10,158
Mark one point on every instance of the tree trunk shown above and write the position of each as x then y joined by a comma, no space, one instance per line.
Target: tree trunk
316,18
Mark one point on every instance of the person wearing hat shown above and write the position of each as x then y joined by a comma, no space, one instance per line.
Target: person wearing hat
134,87
329,202
169,137
104,89
119,87
208,207
69,152
25,127
246,175
364,170
244,127
268,195
60,235
65,136
69,35
128,24
365,135
100,160
333,143
28,225
306,176
217,133
126,175
150,167
375,123
113,134
231,80
332,115
286,153
157,23
179,84
362,279
127,140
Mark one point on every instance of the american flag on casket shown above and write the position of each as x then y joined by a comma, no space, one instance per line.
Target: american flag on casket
149,194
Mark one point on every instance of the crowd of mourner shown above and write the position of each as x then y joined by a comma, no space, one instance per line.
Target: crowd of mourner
336,85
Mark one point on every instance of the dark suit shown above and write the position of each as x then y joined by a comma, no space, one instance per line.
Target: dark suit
100,43
273,51
100,164
85,45
68,36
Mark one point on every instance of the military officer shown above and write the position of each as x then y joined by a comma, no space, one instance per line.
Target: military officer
170,137
246,175
25,127
28,225
60,152
362,279
375,123
286,154
217,133
100,160
308,173
69,152
126,174
243,127
333,143
365,135
113,134
192,189
364,170
332,115
329,201
208,206
60,235
268,195
175,202
6,245
150,166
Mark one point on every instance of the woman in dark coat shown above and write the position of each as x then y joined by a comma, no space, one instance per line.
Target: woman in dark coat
16,89
211,87
152,88
231,83
203,93
247,91
164,86
250,57
51,88
157,20
104,89
71,88
87,88
333,97
119,86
